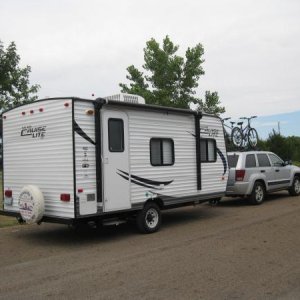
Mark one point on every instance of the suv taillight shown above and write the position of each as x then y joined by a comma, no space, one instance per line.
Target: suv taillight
239,175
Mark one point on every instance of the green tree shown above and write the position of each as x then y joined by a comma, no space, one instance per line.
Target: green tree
15,88
169,79
288,148
278,144
212,104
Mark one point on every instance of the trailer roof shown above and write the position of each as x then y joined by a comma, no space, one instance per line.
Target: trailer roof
147,106
125,104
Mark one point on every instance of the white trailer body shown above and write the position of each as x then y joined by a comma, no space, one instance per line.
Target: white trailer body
97,159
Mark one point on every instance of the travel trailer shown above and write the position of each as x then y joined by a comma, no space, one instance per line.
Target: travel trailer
71,160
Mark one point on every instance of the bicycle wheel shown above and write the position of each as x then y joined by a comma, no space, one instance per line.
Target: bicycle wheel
237,136
252,137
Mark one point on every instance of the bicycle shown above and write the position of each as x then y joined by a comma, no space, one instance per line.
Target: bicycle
247,135
226,134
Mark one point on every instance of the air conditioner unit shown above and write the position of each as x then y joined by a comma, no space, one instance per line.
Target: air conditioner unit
126,98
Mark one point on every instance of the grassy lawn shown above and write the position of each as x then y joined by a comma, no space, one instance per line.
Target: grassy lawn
5,221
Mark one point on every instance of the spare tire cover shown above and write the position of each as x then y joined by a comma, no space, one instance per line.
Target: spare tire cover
31,204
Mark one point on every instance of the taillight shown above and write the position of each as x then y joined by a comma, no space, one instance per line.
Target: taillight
239,175
8,193
65,197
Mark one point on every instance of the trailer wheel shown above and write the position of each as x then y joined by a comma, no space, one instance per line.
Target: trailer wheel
148,219
31,204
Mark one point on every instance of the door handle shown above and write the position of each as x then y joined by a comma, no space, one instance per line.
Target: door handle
262,171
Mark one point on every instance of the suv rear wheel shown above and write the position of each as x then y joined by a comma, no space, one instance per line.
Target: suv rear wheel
294,190
258,193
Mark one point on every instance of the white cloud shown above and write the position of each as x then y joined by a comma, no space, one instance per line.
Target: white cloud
79,48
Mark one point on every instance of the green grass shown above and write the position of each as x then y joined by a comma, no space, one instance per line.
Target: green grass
297,163
5,221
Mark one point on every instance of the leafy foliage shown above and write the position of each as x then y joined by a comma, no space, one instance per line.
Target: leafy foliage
170,80
211,104
15,88
288,148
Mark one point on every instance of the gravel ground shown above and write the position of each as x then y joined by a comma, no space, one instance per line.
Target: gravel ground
231,251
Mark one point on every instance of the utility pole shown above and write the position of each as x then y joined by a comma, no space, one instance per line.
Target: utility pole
279,127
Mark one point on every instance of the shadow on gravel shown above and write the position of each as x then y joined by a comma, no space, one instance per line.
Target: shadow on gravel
238,201
233,202
180,216
64,236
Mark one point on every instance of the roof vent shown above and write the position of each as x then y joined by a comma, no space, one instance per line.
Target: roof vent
126,98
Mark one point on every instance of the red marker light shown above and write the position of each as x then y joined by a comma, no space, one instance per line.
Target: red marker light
80,190
32,111
8,193
65,197
66,104
23,113
4,117
41,109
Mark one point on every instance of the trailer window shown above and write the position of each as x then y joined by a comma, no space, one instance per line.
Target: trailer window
115,135
161,152
208,150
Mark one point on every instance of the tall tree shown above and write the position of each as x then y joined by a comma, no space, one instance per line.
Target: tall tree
211,104
15,87
169,79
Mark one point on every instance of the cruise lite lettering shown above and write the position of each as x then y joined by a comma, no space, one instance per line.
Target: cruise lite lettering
34,131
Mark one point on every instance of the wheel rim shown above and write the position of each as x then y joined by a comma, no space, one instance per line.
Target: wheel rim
152,218
297,186
259,193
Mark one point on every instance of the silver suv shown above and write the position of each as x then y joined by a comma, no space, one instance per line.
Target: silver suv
256,173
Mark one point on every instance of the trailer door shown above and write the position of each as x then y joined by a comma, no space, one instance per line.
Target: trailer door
116,178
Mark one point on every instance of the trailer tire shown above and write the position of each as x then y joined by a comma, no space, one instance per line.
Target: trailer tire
148,219
31,204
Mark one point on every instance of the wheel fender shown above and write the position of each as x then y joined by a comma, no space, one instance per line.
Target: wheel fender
295,173
253,178
31,204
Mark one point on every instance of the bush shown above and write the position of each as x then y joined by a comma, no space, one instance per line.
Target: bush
288,148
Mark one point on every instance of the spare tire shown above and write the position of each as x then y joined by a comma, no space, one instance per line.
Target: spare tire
31,204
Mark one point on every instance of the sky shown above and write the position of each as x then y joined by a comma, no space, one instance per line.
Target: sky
80,48
287,124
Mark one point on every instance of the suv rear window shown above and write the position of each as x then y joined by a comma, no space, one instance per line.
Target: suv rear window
250,161
232,160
